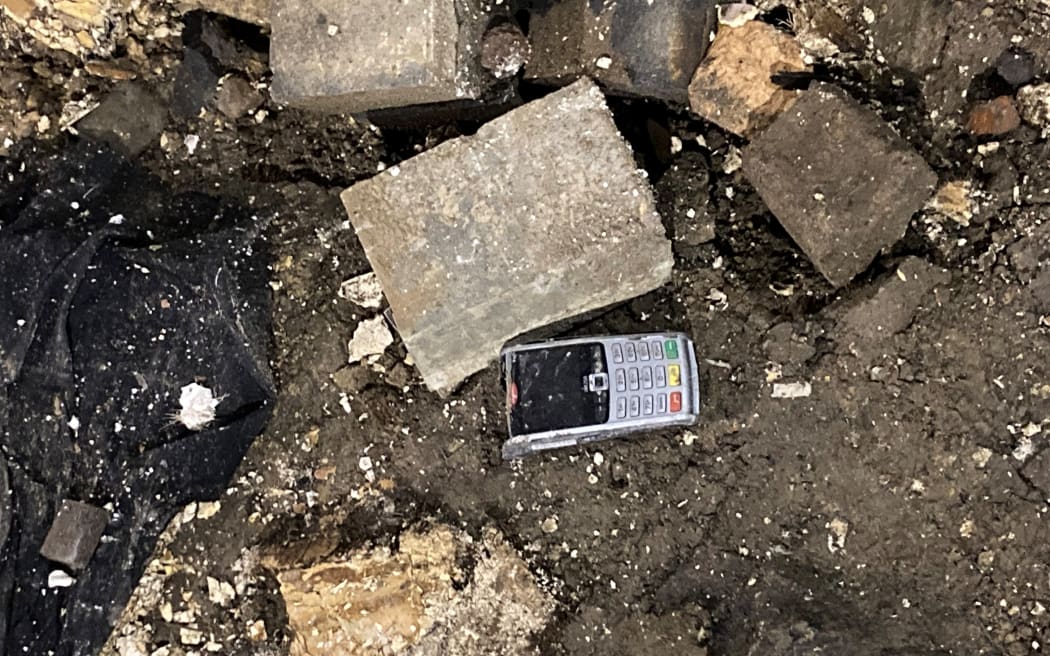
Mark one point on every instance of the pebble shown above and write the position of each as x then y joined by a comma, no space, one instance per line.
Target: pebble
549,525
993,117
220,592
1033,101
981,457
1016,66
237,97
363,290
59,579
371,338
207,509
190,636
505,50
792,390
257,631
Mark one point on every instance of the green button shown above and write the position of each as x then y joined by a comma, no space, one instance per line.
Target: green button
671,349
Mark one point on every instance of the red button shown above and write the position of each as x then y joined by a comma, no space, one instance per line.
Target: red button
676,401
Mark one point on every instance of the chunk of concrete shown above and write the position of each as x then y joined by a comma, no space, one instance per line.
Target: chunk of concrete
733,86
74,534
841,182
634,47
538,217
889,306
333,55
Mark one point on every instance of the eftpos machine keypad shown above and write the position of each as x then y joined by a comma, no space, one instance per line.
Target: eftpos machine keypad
647,377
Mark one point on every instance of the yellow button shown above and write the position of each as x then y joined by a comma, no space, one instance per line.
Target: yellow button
674,375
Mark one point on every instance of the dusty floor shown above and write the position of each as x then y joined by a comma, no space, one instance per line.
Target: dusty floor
899,509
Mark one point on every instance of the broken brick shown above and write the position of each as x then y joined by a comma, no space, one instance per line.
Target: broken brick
733,86
841,182
540,216
994,117
358,56
633,47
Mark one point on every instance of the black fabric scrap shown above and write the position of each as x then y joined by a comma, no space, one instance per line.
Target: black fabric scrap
105,319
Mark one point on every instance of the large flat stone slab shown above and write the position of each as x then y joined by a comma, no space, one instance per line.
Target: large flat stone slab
839,179
538,217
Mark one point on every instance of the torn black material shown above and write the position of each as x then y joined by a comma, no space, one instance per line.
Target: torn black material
115,293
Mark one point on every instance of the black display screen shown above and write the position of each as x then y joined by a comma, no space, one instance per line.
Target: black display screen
554,389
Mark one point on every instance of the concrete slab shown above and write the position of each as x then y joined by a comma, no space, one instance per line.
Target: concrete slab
333,55
538,217
839,179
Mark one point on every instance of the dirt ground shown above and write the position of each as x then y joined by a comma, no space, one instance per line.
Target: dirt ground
901,508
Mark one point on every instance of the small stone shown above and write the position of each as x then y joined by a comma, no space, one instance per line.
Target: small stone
504,50
371,338
986,559
994,117
966,529
257,631
363,290
220,592
736,14
190,637
954,200
549,525
364,463
1033,101
1016,66
74,534
981,457
792,390
733,86
839,529
59,579
236,97
207,509
870,181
